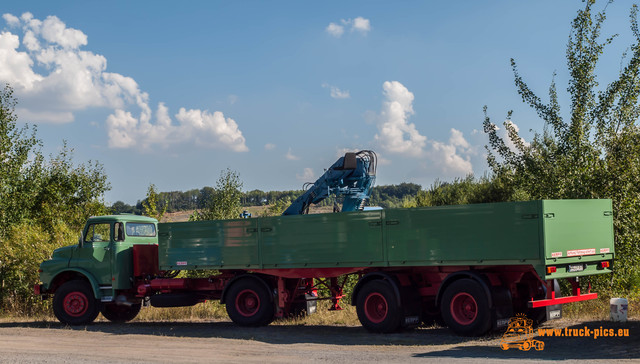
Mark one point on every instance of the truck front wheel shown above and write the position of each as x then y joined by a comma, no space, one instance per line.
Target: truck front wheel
377,307
120,313
249,303
465,308
74,303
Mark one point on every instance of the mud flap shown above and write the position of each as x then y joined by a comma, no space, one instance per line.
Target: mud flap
312,303
502,308
411,307
555,311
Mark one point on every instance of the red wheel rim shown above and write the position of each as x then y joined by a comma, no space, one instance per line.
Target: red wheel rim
376,307
464,308
247,303
75,304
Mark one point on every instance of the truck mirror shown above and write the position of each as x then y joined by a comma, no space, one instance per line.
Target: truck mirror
80,241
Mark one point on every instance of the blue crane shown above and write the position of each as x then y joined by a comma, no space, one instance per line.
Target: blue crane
351,176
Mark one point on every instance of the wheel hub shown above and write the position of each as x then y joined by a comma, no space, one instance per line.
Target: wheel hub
464,308
75,304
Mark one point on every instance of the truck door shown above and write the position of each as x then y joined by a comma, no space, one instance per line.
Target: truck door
95,255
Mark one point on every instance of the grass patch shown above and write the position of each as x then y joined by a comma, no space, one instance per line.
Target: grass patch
209,310
213,310
599,309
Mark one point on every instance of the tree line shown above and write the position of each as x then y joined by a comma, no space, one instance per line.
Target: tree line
387,196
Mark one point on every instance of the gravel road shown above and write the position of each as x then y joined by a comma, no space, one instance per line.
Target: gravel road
207,342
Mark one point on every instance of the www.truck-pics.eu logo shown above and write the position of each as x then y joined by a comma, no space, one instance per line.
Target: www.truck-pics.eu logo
520,334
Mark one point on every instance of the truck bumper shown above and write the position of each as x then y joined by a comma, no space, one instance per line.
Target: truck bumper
560,300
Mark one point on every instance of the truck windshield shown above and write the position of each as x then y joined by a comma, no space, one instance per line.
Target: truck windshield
141,229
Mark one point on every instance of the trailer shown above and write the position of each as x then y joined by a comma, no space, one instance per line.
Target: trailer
473,267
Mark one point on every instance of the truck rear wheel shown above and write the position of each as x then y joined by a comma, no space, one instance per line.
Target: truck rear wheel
249,303
74,303
377,307
465,308
120,313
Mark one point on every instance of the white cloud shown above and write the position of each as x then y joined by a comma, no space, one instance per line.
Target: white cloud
269,146
395,133
56,32
290,156
11,20
453,158
335,30
53,78
359,24
306,176
337,93
204,129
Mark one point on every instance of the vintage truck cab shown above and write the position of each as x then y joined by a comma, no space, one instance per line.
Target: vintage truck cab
89,277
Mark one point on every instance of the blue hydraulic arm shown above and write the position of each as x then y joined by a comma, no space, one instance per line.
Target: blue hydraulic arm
351,176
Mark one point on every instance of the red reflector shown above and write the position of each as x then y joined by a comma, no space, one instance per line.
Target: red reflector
551,270
39,270
604,264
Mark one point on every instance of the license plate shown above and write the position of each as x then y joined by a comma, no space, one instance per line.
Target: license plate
555,314
502,322
576,268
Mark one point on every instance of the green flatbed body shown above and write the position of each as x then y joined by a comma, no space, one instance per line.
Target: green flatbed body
538,233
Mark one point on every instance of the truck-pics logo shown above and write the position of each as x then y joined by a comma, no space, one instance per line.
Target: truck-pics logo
520,335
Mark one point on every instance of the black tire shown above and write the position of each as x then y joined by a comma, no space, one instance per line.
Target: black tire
120,313
74,303
249,303
465,308
377,307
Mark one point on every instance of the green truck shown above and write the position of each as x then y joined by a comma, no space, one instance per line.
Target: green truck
471,266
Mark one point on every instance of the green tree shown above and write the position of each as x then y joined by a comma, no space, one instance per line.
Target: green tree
595,152
464,191
150,206
43,202
277,208
225,200
18,175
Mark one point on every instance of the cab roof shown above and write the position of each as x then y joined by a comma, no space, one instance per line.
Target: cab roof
122,218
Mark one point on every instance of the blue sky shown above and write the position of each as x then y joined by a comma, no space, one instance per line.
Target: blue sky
172,94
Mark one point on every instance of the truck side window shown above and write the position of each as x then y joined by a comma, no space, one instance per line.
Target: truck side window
98,232
119,231
141,229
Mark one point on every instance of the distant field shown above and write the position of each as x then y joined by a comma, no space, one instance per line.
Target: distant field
256,211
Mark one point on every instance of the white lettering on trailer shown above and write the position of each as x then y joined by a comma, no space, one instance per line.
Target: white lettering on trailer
575,253
556,255
181,263
604,250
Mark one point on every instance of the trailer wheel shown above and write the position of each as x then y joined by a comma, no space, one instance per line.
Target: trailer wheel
120,313
249,303
377,307
74,304
465,308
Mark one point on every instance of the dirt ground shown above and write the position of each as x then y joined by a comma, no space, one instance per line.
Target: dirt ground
221,341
